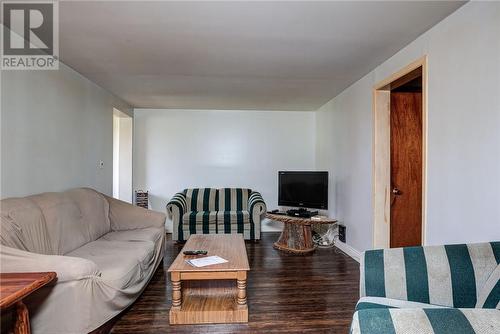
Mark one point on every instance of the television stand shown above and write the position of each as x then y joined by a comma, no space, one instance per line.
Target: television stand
296,237
302,213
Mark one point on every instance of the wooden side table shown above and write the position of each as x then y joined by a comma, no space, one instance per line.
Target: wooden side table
14,287
296,237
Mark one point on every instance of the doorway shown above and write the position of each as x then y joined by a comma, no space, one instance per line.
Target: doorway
122,156
399,152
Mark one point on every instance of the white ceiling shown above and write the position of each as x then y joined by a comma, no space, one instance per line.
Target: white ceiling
236,55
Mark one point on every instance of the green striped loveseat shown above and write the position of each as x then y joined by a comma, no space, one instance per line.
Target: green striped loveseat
218,211
451,289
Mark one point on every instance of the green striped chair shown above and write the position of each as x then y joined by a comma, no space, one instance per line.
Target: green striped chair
216,211
451,289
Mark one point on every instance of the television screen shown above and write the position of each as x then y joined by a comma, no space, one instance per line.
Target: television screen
303,189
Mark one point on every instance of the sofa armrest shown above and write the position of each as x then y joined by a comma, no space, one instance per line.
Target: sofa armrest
67,268
256,205
125,216
177,206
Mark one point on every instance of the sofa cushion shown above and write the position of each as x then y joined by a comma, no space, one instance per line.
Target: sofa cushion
74,217
152,234
24,227
54,223
233,199
381,302
67,231
201,199
200,222
94,211
426,321
122,263
233,221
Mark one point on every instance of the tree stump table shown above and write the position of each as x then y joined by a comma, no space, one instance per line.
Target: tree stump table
296,237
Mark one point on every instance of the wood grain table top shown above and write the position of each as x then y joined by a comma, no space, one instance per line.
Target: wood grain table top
16,286
300,220
230,247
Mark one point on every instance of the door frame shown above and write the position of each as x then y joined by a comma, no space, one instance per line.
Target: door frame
123,145
381,153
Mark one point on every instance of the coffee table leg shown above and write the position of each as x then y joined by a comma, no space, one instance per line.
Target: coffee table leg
22,325
176,291
242,288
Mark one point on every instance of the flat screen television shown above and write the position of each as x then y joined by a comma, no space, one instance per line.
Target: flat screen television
303,189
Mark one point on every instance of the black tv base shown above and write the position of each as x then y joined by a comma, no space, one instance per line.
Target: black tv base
302,213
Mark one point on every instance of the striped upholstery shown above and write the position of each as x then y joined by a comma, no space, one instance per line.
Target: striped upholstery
381,302
235,222
426,321
233,199
199,222
175,210
432,289
489,297
450,275
257,208
208,210
201,199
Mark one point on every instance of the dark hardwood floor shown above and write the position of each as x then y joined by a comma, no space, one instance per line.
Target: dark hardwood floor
286,294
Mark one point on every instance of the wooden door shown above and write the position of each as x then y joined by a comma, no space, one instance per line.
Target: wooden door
406,169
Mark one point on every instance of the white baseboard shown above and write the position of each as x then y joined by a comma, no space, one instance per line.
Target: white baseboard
352,252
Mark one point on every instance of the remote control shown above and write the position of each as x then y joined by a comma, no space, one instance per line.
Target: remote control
195,252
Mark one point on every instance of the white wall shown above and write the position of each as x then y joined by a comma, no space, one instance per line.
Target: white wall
344,149
177,149
463,133
55,128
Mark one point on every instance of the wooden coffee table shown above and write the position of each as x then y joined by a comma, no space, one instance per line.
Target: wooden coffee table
296,237
211,294
14,287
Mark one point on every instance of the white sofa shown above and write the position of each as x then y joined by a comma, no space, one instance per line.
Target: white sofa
103,250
